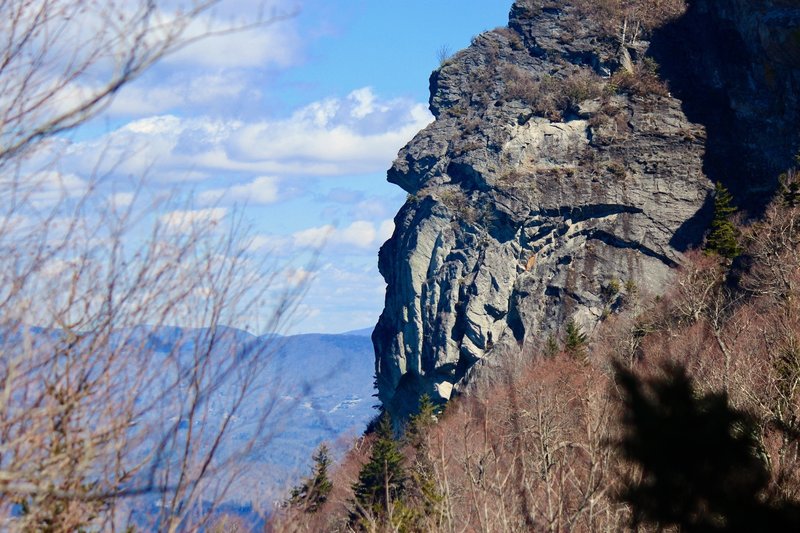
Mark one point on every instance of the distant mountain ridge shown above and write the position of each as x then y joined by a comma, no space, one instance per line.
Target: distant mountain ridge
322,383
364,332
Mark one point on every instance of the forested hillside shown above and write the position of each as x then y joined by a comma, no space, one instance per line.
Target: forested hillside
681,409
591,319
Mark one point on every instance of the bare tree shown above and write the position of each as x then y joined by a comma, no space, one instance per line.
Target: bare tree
109,415
100,399
628,20
443,53
62,61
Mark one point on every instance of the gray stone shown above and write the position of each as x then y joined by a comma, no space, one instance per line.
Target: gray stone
516,221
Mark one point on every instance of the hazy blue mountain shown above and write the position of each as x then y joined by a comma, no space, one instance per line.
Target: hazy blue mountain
326,384
365,332
320,387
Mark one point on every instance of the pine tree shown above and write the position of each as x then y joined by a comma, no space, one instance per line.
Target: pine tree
790,188
382,480
313,492
420,423
551,347
423,493
722,237
576,340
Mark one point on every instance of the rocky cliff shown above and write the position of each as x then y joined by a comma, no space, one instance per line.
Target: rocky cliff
562,175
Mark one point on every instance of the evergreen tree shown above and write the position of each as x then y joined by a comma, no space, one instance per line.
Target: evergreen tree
576,340
313,492
551,347
790,188
423,494
722,237
420,423
382,480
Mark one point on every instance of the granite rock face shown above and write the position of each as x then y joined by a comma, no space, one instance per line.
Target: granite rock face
543,191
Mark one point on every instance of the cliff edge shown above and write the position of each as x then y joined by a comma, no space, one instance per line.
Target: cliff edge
563,174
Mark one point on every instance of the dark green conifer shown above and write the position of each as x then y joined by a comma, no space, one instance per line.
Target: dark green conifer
790,189
382,480
313,491
420,423
722,237
551,347
576,340
423,497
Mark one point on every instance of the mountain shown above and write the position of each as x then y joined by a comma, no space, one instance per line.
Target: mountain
330,378
570,166
365,332
306,389
331,382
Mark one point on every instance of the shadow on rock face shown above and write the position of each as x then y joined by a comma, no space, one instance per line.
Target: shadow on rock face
723,63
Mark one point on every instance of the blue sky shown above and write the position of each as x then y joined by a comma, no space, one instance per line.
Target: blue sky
293,124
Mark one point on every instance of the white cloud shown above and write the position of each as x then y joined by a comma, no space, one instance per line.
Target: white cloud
235,38
385,230
260,191
360,234
349,295
268,44
347,135
46,188
299,276
181,90
313,237
274,244
328,137
365,102
121,200
184,221
372,208
158,125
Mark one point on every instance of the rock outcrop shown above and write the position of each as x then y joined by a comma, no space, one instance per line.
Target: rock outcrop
559,176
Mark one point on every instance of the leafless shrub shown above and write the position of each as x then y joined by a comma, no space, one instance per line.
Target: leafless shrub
744,340
101,404
457,202
513,37
643,80
550,96
629,20
774,248
527,453
63,61
104,409
443,54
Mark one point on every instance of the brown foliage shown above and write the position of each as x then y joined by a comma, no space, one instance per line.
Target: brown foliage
643,80
743,339
533,451
551,96
531,454
628,20
528,454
